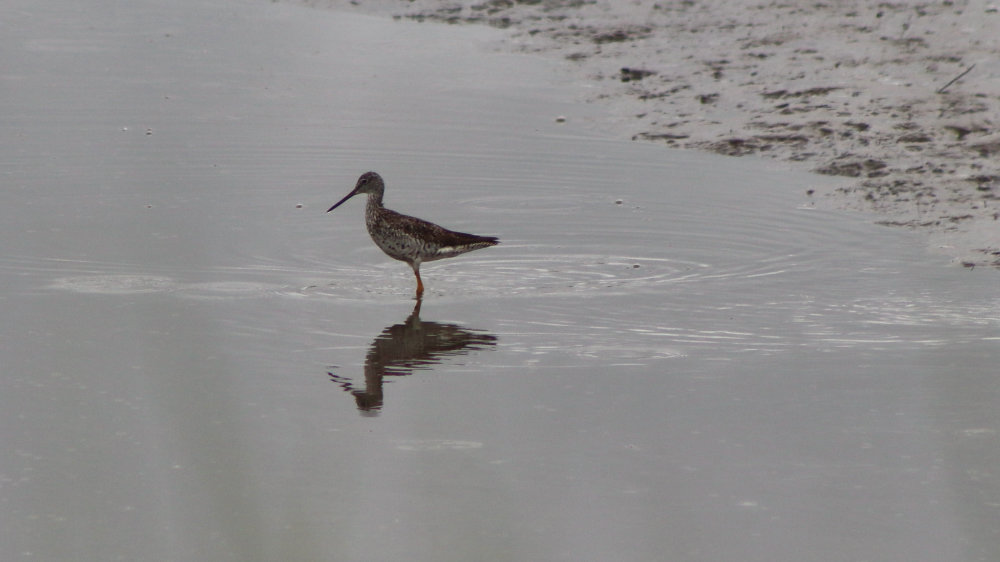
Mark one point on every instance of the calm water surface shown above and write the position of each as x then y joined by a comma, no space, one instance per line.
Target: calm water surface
670,357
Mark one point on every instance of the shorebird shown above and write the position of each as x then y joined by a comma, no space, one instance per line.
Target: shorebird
407,238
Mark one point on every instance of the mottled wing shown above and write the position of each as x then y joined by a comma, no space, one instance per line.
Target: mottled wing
435,241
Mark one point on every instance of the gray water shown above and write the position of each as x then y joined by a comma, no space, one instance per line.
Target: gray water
671,356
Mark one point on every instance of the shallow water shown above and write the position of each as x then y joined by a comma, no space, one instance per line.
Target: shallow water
671,355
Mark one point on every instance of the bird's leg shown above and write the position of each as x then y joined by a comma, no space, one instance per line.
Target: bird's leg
420,284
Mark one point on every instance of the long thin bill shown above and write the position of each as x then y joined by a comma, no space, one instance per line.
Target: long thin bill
349,195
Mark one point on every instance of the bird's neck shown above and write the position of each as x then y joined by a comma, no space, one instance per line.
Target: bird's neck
372,210
375,199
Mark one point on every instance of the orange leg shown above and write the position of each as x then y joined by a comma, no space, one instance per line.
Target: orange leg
420,284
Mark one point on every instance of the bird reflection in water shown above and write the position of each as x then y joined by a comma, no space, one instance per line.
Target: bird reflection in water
403,348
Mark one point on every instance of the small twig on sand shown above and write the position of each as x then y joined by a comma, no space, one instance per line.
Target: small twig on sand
955,79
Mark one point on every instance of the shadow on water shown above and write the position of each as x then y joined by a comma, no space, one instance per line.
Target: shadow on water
403,348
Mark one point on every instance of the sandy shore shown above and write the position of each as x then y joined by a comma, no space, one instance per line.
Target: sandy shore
857,89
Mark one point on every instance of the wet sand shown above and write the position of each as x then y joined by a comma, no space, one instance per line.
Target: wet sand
860,90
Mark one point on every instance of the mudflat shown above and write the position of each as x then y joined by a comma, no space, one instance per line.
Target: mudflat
901,99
